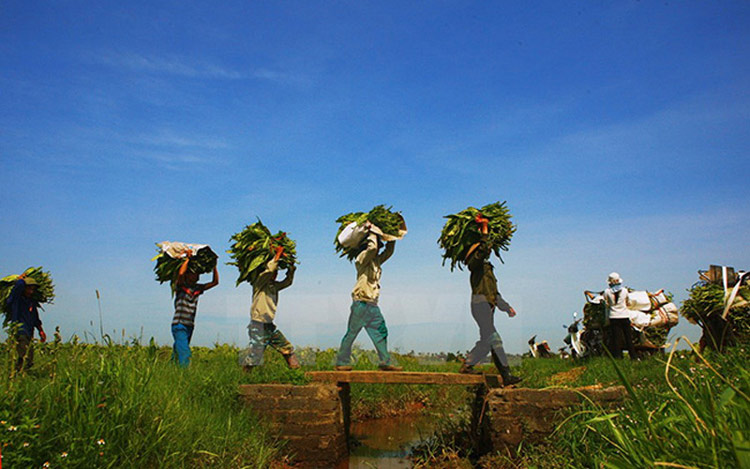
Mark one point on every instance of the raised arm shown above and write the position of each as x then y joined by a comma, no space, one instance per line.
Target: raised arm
266,277
214,281
288,279
390,246
368,255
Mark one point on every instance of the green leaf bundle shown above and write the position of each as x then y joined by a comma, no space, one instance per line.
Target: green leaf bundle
45,290
461,231
705,306
390,223
254,246
168,267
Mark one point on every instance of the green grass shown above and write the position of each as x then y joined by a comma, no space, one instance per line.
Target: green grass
685,410
128,406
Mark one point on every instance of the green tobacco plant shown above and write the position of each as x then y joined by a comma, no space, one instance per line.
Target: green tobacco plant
44,294
167,267
461,231
705,306
254,246
390,223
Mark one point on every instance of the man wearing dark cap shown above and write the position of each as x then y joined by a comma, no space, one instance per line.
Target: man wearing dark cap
23,311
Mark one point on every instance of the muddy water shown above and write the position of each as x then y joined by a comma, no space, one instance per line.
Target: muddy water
386,443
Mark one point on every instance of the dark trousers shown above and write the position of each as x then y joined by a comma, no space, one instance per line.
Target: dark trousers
25,351
620,338
489,339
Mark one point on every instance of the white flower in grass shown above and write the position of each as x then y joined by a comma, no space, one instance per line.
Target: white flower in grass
101,442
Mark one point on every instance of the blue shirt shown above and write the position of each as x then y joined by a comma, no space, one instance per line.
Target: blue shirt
23,310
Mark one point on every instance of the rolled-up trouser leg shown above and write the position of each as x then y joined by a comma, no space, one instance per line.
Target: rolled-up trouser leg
277,340
378,333
498,352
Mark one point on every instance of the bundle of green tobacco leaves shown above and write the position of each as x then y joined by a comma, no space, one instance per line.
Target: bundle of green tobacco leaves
254,246
389,222
461,231
45,290
172,256
705,307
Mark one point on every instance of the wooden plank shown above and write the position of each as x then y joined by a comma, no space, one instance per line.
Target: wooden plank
394,377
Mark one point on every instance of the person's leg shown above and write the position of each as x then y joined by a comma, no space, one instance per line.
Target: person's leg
282,345
258,340
627,331
22,348
355,324
181,347
616,338
482,313
378,333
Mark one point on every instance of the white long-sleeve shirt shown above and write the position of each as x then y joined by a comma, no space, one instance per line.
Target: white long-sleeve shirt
617,305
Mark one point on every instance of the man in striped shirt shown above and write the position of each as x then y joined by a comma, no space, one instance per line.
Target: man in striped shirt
185,308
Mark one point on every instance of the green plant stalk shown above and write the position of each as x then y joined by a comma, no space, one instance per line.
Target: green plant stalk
255,246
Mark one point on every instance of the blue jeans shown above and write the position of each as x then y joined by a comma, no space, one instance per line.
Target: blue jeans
367,316
181,349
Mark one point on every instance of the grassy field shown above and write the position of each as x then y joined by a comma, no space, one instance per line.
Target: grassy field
128,406
686,411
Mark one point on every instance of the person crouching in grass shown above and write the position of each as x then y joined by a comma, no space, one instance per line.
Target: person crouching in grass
24,314
185,308
261,330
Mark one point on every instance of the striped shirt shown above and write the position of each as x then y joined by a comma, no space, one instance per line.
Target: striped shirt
185,306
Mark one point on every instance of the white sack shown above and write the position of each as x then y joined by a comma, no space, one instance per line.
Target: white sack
178,250
352,235
639,301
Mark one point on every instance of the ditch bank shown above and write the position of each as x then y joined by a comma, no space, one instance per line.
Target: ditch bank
314,419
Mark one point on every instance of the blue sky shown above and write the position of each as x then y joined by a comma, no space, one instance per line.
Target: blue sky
616,131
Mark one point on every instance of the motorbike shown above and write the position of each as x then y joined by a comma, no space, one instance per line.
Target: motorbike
583,339
576,347
540,350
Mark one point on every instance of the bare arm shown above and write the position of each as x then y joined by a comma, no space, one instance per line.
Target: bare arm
288,279
214,281
368,255
390,246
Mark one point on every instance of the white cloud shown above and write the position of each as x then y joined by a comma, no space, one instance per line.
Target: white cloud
191,67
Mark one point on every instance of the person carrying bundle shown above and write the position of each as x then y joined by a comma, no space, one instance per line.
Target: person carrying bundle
261,330
364,312
485,297
23,312
187,291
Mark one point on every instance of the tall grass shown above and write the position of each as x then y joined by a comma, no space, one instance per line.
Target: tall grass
128,406
683,410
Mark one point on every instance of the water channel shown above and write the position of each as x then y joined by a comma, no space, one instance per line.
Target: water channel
386,443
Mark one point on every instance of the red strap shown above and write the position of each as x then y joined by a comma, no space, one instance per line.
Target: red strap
192,292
